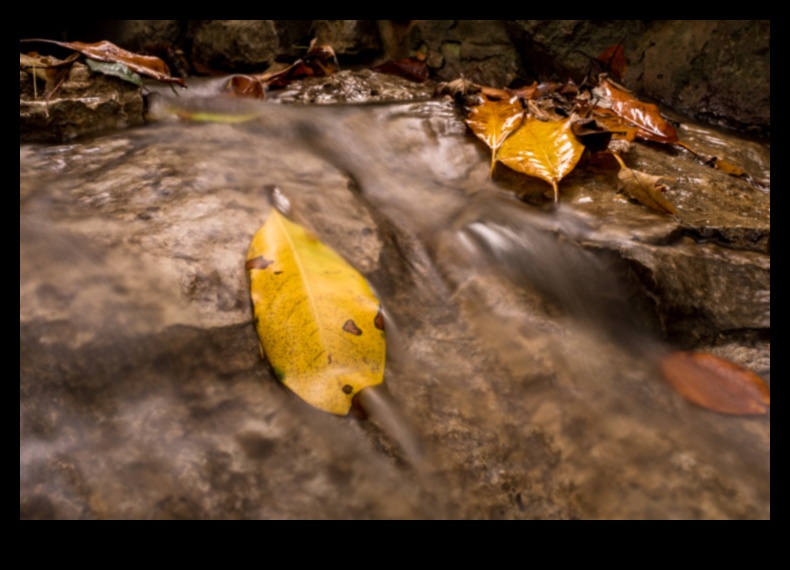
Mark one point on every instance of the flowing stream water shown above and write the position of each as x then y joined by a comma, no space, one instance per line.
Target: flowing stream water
523,343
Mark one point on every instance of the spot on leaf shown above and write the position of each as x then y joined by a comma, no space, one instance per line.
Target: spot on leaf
378,322
258,263
351,327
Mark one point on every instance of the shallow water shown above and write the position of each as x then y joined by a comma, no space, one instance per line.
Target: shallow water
523,347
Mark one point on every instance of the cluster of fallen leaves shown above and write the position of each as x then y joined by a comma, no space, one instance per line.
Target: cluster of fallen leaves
543,130
101,57
320,61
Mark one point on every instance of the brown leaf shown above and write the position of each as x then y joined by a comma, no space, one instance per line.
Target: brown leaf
716,384
494,121
715,161
539,90
547,150
728,167
411,68
245,86
51,70
320,61
619,128
592,134
645,117
644,188
106,51
613,59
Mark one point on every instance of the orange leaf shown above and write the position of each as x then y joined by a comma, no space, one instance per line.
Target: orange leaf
547,150
106,51
645,117
494,121
716,384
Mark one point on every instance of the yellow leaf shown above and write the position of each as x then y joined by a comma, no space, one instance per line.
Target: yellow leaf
493,121
547,150
319,324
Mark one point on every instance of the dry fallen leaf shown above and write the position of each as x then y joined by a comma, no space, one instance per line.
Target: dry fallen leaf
547,150
717,384
494,121
109,52
645,188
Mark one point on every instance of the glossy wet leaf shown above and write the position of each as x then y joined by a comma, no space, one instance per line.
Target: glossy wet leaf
717,384
108,52
645,117
547,150
319,324
494,121
647,189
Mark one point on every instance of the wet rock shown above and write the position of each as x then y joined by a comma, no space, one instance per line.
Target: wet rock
141,34
481,50
714,70
84,103
353,87
234,45
512,349
350,37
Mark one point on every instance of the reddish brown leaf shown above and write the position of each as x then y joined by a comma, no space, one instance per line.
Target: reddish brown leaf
320,61
538,90
411,68
716,384
619,128
106,51
245,86
613,59
645,117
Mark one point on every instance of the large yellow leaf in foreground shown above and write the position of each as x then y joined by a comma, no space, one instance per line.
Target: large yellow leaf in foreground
545,149
319,324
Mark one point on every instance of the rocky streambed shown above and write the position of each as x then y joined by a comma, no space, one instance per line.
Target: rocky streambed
523,340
